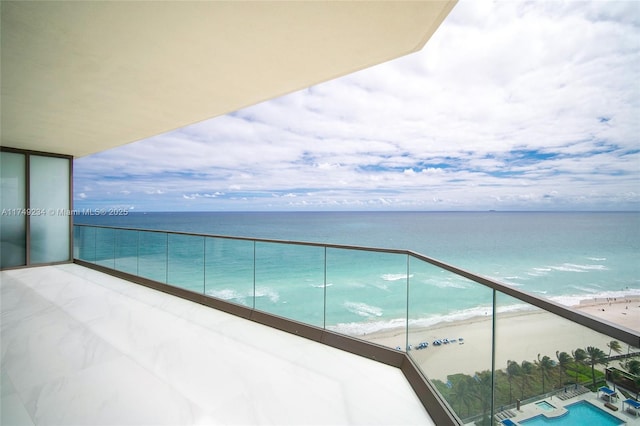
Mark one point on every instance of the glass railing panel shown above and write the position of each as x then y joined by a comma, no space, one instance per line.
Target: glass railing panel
450,334
367,295
290,281
84,243
185,267
229,270
489,355
544,363
152,255
126,251
105,247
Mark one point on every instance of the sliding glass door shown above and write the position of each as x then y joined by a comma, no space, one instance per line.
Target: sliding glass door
35,225
13,203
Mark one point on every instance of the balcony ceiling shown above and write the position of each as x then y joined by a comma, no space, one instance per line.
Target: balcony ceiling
83,77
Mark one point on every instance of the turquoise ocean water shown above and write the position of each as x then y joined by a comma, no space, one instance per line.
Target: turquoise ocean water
563,256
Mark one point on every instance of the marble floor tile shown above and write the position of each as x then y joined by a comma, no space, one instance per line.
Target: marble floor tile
84,348
13,412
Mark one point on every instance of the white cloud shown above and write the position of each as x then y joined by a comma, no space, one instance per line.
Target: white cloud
507,103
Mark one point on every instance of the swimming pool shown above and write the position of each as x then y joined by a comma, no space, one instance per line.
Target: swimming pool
579,413
545,406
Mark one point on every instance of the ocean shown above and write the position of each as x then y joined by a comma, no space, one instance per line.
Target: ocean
564,256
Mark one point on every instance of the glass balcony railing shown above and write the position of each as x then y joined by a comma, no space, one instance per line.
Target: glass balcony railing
491,352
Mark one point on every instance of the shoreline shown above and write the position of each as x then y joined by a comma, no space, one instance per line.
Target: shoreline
521,335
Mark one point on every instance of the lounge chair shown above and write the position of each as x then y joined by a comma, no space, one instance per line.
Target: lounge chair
633,406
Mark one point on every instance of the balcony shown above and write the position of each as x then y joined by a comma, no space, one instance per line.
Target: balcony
494,364
83,347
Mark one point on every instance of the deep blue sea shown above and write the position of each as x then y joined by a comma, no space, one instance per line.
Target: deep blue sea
565,256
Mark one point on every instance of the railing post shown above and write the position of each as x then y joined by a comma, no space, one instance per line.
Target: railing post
406,330
324,314
115,242
204,265
493,356
138,253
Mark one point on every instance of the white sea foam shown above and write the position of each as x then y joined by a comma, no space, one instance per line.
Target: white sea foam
231,294
572,267
269,293
587,291
539,272
321,285
226,294
363,309
448,282
362,328
464,314
575,299
395,277
597,259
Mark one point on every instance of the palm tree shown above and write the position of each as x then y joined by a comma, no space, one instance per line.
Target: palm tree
579,357
526,371
633,367
513,370
545,365
483,391
564,360
614,346
595,356
462,388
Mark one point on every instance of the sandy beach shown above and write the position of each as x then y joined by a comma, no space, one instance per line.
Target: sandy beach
520,336
623,311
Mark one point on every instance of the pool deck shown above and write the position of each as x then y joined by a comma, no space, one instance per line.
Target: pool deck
531,410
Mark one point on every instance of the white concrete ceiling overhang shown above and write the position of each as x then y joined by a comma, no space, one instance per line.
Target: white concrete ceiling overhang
80,77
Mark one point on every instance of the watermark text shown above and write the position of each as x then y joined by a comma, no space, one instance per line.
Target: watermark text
65,212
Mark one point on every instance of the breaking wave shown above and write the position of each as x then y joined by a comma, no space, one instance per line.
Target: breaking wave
572,267
363,309
269,293
226,294
234,295
395,277
321,285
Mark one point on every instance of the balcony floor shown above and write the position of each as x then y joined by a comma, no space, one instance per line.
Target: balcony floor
82,347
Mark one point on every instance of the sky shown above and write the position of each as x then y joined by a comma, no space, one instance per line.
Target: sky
509,106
